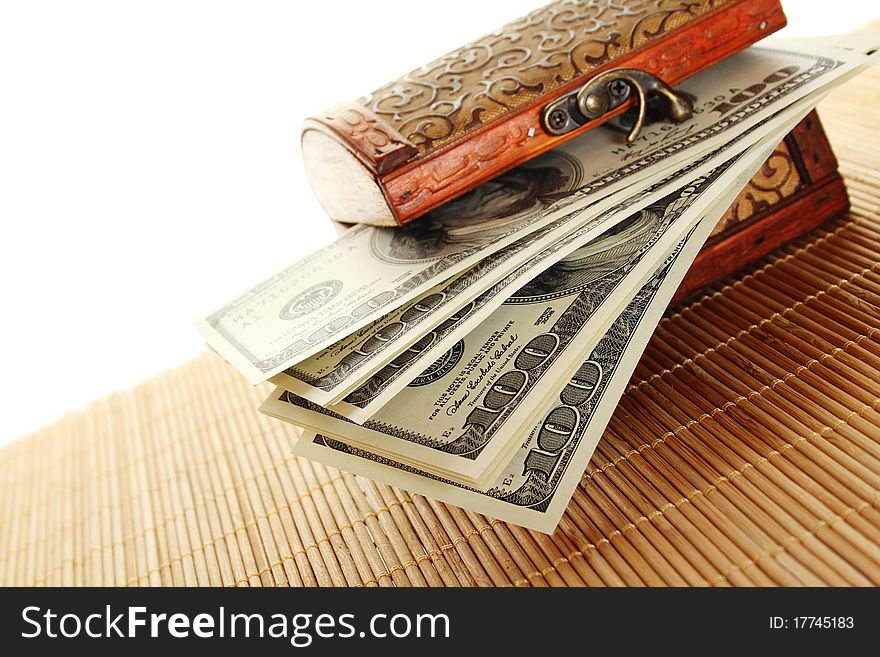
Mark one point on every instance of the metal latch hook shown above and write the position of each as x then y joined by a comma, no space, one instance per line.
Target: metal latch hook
606,92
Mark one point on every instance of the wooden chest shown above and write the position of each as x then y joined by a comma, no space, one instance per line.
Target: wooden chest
797,189
441,130
457,122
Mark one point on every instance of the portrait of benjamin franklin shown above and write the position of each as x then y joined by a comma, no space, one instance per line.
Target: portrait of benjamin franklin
484,214
616,250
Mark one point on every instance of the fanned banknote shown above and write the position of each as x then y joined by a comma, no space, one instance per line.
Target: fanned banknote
369,272
364,399
476,355
459,418
535,487
536,483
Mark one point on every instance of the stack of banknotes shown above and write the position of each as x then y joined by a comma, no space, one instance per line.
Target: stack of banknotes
476,355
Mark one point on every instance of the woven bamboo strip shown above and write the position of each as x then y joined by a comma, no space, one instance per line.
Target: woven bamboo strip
410,505
704,548
203,545
218,499
797,502
396,501
531,544
194,527
488,530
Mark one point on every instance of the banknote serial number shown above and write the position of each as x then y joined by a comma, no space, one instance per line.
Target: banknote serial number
812,623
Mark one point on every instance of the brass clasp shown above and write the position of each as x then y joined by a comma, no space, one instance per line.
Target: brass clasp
608,91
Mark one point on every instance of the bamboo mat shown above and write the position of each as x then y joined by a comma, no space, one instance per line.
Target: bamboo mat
746,451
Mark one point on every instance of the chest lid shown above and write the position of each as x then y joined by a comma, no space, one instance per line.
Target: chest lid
444,128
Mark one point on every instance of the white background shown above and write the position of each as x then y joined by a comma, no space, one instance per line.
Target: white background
150,167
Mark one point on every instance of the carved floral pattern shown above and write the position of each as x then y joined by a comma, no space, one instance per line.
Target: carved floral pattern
777,179
534,55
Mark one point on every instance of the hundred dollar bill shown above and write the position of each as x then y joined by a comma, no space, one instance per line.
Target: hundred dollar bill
397,344
369,272
367,398
402,335
535,487
460,417
537,482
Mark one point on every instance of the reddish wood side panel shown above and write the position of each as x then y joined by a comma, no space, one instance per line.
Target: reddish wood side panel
454,169
824,196
779,225
815,152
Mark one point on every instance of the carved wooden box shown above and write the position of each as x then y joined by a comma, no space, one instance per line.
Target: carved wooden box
499,101
798,188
